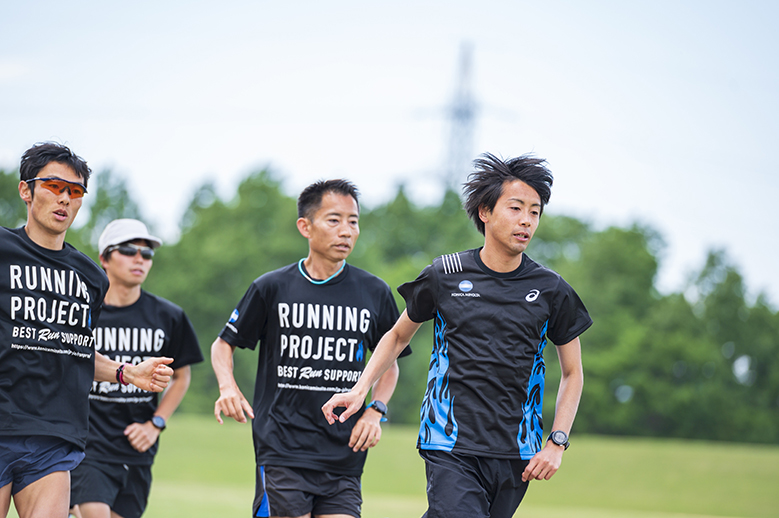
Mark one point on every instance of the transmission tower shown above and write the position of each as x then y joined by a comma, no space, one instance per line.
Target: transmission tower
462,116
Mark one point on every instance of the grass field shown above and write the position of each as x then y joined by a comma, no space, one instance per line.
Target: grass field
207,470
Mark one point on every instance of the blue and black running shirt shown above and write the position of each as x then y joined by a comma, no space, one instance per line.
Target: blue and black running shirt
486,380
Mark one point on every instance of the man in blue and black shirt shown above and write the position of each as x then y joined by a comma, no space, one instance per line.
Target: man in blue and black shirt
481,432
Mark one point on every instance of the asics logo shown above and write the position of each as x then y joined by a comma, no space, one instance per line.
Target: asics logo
532,296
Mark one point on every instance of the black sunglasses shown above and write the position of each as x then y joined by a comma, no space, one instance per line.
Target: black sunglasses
130,250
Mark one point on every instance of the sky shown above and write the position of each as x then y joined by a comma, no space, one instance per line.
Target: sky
662,113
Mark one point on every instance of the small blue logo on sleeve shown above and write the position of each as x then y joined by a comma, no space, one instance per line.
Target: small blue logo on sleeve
234,316
466,286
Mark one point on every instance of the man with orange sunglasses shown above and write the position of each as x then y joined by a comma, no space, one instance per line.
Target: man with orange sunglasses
50,298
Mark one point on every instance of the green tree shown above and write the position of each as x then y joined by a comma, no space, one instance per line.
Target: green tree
746,336
613,272
13,212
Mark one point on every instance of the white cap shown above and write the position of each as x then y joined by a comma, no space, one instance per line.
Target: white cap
123,230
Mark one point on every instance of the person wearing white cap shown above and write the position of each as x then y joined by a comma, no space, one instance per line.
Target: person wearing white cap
50,298
125,424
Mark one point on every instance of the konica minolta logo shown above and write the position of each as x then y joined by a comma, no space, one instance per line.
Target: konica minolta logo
233,319
465,290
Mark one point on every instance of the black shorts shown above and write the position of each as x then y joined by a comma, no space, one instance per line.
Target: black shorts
27,459
467,486
283,491
125,488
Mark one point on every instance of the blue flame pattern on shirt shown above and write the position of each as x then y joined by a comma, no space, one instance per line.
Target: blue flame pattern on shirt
438,426
530,436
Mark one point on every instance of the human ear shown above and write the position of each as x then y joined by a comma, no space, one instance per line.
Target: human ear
484,213
303,227
25,192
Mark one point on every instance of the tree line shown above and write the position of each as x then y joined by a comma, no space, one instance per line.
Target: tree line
701,363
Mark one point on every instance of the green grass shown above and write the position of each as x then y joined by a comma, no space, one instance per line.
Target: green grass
206,470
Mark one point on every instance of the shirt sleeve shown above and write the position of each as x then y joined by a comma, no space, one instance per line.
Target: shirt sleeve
569,317
420,295
388,314
247,321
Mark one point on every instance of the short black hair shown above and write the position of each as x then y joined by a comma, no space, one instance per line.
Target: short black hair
485,184
310,199
42,153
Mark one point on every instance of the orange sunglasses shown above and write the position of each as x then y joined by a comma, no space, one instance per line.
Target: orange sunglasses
58,186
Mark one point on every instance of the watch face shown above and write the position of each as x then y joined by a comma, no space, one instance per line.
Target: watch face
158,421
559,437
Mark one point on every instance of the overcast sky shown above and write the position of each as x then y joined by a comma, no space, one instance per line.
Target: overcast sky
661,112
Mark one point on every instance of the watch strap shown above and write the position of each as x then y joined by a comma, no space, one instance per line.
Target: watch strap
380,407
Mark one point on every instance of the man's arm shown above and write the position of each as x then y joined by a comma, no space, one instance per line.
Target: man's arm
546,462
152,375
367,430
142,436
231,400
389,347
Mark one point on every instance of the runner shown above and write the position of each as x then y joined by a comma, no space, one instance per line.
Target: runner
125,423
50,298
481,430
315,321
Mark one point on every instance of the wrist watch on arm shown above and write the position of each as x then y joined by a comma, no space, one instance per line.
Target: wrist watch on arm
158,422
380,407
560,438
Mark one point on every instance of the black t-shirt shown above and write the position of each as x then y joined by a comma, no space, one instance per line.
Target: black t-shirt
149,328
49,302
313,343
486,380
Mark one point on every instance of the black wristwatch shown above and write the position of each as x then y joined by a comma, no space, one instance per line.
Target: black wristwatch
378,406
158,422
560,438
